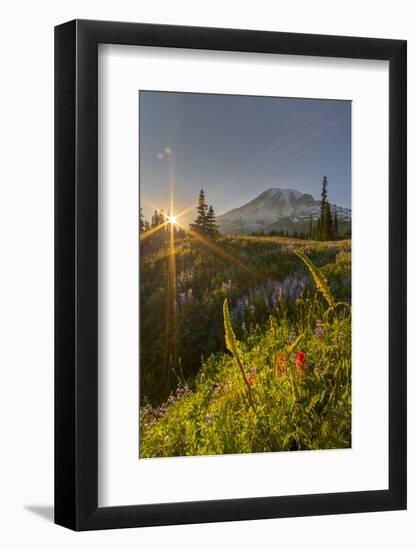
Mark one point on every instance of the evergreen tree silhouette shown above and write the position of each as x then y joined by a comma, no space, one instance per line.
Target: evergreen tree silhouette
212,228
323,227
201,223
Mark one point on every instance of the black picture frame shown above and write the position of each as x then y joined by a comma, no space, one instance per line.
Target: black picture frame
76,273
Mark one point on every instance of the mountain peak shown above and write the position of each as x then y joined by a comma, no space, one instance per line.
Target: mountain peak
272,191
285,206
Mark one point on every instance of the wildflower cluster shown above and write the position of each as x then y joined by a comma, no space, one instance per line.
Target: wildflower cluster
319,331
291,337
148,415
275,377
265,299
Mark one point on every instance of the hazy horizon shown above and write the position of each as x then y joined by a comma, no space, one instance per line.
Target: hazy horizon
236,147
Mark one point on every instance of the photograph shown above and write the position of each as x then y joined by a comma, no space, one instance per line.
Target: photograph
245,274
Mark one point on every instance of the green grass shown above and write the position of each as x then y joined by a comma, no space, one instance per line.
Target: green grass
281,383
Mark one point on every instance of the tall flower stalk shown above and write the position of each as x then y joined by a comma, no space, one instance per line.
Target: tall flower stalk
232,346
319,280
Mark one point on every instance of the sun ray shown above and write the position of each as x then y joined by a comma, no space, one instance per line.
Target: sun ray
153,230
171,312
225,254
177,216
186,210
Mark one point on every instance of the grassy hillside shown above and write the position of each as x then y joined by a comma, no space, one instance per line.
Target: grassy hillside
255,355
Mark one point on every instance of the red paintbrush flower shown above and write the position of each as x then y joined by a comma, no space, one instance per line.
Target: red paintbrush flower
251,379
280,366
300,360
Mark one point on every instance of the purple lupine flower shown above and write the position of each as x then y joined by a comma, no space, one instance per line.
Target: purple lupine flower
275,295
291,337
209,421
294,291
319,331
240,308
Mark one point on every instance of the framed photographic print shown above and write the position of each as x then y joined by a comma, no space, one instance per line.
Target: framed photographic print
230,234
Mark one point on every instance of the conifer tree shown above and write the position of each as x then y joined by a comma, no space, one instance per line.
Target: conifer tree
158,218
200,223
155,219
335,223
322,222
212,228
327,227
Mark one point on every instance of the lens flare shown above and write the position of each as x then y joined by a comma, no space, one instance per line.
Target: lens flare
172,219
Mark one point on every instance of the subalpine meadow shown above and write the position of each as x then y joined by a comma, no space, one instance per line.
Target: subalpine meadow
245,341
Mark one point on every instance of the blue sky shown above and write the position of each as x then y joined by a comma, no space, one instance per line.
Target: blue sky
235,147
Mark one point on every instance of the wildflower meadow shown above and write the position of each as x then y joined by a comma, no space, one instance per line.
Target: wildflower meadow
256,354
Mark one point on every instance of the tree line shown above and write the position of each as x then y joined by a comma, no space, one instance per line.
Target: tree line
204,224
282,233
325,228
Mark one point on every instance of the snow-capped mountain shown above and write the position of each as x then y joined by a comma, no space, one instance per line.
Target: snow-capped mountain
279,209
